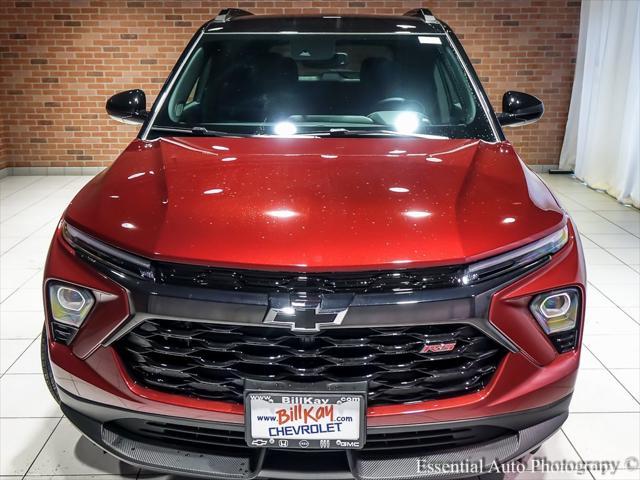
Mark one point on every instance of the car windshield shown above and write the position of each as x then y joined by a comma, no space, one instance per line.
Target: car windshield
322,84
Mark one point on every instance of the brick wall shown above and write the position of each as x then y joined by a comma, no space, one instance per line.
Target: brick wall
4,160
62,59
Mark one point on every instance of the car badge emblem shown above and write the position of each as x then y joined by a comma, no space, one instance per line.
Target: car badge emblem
438,347
304,319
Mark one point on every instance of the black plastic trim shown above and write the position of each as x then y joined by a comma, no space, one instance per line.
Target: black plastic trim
90,418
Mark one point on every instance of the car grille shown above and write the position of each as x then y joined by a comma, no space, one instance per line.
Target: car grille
333,282
193,437
211,361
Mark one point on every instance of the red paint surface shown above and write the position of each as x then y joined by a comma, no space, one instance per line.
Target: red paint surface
213,201
346,218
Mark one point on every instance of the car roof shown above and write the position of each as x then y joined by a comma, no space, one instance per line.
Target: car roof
326,23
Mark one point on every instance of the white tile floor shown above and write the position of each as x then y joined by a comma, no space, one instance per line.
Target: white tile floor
36,442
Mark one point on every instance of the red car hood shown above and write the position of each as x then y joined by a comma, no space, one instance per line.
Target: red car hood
316,204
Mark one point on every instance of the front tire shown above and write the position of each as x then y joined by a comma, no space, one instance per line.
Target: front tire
46,367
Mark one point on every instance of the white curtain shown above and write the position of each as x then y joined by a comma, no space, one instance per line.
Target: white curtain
602,137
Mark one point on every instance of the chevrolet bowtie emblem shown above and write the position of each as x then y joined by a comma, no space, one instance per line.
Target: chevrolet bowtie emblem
304,319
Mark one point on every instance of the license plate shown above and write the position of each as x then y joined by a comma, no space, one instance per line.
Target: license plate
298,420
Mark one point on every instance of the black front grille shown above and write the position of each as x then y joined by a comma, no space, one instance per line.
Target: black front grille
211,361
333,282
199,438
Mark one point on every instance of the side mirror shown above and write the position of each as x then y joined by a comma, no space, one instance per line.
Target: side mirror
520,109
128,107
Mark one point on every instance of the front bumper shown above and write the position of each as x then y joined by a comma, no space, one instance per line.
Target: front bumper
534,380
524,431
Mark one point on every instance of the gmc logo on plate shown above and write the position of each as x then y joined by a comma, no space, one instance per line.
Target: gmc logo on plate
438,347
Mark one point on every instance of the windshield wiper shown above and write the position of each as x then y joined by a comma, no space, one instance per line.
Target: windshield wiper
331,132
200,131
346,132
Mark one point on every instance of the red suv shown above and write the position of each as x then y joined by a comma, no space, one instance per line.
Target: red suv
320,258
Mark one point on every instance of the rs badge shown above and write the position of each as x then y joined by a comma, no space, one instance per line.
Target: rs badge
438,347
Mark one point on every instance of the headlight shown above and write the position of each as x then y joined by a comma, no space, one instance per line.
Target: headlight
99,252
518,258
69,306
558,313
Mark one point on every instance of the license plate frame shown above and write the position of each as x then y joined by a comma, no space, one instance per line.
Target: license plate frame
353,396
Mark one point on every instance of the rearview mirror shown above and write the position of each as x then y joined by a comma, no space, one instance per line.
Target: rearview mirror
520,109
128,107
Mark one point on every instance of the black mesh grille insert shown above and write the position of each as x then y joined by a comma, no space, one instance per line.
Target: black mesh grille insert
211,361
198,438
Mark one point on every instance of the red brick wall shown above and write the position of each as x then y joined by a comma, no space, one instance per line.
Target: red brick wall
4,160
62,59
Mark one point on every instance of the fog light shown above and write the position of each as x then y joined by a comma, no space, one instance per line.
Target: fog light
557,305
70,299
556,311
69,304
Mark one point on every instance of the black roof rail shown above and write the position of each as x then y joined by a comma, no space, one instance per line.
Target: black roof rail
423,13
228,14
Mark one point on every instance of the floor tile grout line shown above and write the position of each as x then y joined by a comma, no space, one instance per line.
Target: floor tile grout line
615,223
620,412
19,356
59,417
607,297
615,256
26,207
46,195
17,338
27,373
595,212
576,450
42,448
601,192
608,250
96,475
587,235
28,236
616,368
7,297
22,285
613,375
34,232
36,179
614,303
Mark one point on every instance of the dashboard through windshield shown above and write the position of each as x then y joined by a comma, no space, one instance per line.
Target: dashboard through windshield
302,84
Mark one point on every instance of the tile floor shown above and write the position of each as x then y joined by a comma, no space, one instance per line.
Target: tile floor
37,443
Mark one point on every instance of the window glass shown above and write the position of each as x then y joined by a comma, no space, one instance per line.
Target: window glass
251,84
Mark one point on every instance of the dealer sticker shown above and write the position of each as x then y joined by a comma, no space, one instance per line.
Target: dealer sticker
316,421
